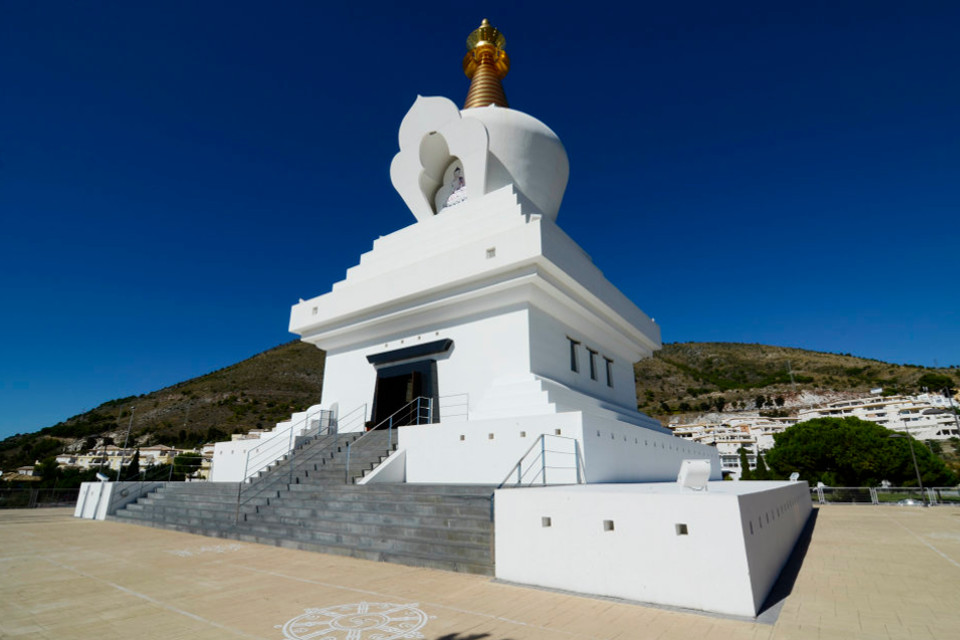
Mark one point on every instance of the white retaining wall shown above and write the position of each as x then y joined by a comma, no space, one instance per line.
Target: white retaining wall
97,500
485,451
627,541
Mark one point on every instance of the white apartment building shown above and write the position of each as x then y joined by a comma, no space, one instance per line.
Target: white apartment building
113,457
916,415
755,434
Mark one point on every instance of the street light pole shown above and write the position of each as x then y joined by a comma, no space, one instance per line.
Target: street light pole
125,439
923,494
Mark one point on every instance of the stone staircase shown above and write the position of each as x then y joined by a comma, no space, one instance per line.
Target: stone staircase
307,502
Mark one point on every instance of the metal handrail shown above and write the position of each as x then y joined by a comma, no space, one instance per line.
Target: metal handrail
389,422
276,447
453,407
256,487
882,495
542,473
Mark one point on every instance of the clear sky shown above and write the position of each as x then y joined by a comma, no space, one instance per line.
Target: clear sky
174,175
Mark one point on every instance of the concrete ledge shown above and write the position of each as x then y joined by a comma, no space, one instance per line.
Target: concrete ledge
718,550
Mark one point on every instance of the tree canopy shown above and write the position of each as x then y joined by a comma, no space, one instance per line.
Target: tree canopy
849,452
936,382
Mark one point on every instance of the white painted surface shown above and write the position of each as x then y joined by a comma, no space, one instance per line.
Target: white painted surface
393,469
510,290
496,147
619,452
485,451
97,500
718,565
477,452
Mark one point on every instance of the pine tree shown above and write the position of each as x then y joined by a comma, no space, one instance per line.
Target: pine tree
133,469
761,472
745,473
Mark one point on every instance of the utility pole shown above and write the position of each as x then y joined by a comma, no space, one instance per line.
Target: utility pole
125,439
923,494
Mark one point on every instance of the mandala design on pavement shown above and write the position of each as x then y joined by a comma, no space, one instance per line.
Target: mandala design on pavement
358,621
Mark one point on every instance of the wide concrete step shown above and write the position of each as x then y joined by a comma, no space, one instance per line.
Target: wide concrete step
470,558
444,563
305,502
205,525
345,528
480,520
365,521
474,507
172,510
195,499
392,492
340,531
425,548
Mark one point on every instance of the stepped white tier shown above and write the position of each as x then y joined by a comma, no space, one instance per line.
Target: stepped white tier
488,301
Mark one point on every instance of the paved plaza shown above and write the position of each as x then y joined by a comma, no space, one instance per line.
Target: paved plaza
868,572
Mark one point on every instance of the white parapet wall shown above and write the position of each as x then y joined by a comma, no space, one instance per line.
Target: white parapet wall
485,451
718,550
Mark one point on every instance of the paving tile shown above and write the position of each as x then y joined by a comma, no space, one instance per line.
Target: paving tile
870,572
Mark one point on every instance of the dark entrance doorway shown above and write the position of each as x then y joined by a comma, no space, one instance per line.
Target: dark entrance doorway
398,386
403,375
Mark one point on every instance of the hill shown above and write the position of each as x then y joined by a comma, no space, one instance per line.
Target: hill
260,391
697,376
257,392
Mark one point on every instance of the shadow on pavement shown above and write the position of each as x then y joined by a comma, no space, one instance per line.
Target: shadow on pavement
788,576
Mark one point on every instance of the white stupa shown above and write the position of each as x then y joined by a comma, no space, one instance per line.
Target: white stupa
489,339
487,308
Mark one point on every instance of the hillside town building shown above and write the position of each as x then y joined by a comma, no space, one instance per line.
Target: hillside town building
925,417
114,458
753,434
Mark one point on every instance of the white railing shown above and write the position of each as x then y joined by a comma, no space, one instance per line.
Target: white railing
903,496
554,461
283,441
454,408
417,411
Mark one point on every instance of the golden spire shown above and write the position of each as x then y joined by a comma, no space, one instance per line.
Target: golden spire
486,64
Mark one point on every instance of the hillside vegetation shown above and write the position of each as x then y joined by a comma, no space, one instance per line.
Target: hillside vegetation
265,389
701,376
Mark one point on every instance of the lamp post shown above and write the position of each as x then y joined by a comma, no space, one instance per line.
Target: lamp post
923,494
125,439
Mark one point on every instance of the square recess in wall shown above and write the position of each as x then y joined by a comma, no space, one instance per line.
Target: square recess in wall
608,525
546,522
681,529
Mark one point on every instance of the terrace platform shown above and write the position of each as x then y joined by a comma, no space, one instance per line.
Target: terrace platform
868,572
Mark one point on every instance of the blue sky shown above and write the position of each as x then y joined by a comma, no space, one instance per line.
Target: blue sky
173,176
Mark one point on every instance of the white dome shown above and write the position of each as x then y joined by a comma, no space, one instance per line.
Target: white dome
526,153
